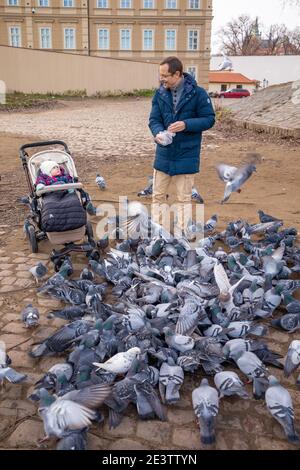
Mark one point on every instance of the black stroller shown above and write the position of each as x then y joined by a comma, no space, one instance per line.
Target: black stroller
34,225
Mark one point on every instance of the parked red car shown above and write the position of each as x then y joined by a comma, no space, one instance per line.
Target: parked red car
235,93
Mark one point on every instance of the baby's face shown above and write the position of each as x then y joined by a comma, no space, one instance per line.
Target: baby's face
55,171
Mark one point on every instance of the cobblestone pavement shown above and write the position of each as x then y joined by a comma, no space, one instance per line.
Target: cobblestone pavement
125,156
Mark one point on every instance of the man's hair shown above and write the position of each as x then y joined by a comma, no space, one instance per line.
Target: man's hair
174,64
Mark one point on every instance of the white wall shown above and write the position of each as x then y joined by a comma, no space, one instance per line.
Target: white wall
275,69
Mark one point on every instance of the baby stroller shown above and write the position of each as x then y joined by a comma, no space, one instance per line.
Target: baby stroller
37,200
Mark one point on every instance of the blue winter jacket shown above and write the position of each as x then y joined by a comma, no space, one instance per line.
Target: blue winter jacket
196,110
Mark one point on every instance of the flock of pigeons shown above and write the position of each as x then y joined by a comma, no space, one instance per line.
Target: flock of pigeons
176,310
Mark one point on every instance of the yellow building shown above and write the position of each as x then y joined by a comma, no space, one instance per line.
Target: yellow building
139,30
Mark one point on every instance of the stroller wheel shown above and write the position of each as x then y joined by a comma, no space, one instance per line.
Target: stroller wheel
30,231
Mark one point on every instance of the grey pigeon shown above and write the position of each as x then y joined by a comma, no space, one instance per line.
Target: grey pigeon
292,360
254,369
171,378
228,383
206,406
38,271
179,342
263,217
279,403
30,316
73,440
210,225
100,181
149,189
6,372
235,179
289,322
196,196
73,411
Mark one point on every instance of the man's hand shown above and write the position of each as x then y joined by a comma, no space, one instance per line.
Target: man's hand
177,126
158,139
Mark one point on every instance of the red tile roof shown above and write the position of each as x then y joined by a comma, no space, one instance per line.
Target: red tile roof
228,77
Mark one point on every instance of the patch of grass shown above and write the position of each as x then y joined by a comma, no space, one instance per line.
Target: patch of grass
17,100
121,94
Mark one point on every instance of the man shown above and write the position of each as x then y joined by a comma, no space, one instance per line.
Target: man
183,108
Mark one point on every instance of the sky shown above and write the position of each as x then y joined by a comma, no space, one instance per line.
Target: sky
269,12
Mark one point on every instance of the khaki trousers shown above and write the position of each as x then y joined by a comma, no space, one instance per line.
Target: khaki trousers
183,206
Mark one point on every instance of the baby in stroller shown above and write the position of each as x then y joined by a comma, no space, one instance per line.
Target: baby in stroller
52,173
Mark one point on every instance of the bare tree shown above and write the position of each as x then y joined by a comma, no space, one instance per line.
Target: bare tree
238,36
295,40
275,36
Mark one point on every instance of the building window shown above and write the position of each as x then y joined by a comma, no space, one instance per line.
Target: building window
194,4
15,36
170,39
171,4
103,39
68,3
69,36
239,86
148,40
192,70
45,38
193,36
148,4
223,87
125,3
43,3
125,39
102,4
13,3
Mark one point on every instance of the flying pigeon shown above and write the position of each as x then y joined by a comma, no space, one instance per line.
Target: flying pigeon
234,177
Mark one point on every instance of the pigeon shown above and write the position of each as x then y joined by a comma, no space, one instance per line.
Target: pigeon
289,322
91,209
206,406
292,360
196,196
263,217
234,177
73,411
178,342
171,378
30,316
51,378
39,271
119,363
254,369
73,440
226,64
228,383
100,181
211,224
279,403
6,372
149,189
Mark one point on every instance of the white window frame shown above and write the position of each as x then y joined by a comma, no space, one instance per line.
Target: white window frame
189,67
188,39
42,2
19,35
127,2
108,39
192,5
65,42
50,37
171,5
166,40
12,3
148,4
102,4
152,40
69,2
130,38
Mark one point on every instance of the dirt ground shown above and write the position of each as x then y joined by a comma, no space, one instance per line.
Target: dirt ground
274,188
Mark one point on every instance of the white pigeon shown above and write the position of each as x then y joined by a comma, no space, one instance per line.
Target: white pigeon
280,405
234,177
119,363
226,64
226,289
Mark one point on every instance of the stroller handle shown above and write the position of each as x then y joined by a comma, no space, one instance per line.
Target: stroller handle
44,143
